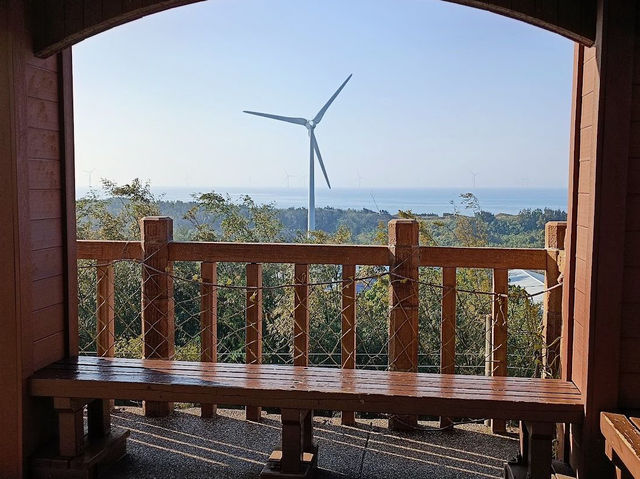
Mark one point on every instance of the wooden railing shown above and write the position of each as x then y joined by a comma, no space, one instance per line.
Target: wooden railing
403,256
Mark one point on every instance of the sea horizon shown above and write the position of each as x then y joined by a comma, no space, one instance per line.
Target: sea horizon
438,200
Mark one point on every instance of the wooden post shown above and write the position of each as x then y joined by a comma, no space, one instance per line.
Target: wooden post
552,316
348,338
499,334
208,323
488,351
301,316
403,302
105,299
70,426
554,235
292,445
253,330
448,328
158,329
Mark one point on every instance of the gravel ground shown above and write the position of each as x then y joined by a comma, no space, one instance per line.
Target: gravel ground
227,446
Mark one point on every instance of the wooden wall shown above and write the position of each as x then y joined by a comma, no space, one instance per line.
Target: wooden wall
629,378
37,257
600,286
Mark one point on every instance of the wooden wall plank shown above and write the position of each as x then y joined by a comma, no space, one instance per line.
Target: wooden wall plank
45,204
43,144
48,321
44,175
48,350
46,263
47,291
41,83
43,114
45,233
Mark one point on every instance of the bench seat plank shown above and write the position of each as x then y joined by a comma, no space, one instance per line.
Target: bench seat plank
311,388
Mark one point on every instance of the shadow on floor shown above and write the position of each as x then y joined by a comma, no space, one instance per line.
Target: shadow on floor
227,446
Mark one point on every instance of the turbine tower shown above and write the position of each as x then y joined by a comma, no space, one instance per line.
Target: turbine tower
310,125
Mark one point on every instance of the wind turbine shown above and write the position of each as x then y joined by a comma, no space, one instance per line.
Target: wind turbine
90,173
287,178
474,175
310,125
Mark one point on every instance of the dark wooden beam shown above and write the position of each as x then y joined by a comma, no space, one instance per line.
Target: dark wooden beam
574,19
59,24
62,23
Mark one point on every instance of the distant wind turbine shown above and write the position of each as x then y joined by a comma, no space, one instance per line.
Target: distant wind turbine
310,125
287,178
90,173
474,175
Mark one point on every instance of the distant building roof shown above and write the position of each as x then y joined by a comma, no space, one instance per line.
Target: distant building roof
531,281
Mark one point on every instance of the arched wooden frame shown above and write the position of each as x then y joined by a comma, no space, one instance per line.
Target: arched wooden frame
62,23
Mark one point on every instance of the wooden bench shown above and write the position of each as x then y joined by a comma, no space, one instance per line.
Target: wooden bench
297,391
622,442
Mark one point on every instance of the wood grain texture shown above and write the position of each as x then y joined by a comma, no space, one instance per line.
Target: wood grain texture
623,439
574,19
503,258
279,253
499,336
105,310
348,329
301,315
253,329
62,23
308,388
158,322
208,322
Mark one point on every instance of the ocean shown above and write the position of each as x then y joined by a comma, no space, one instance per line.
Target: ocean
418,200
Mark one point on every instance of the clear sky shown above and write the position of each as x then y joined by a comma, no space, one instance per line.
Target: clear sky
438,91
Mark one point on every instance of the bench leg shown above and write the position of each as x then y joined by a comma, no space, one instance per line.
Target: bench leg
99,418
70,426
539,442
298,457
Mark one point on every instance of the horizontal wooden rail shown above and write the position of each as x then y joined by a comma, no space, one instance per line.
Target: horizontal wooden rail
433,256
489,258
109,250
279,253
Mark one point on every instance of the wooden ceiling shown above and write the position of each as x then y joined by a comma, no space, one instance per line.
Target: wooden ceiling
59,24
574,19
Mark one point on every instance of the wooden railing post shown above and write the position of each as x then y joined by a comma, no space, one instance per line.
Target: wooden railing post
208,322
552,317
158,328
448,328
499,333
348,337
105,309
301,316
403,314
253,330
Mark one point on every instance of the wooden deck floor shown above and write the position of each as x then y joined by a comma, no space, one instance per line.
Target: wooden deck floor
185,445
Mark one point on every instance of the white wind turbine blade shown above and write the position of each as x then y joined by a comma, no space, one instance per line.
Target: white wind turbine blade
321,113
288,119
315,147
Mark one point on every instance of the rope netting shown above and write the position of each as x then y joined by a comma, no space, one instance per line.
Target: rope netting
474,301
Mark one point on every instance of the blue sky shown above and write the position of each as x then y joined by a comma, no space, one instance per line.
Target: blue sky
438,91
